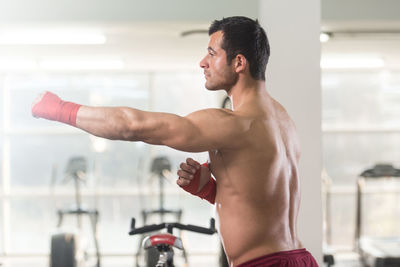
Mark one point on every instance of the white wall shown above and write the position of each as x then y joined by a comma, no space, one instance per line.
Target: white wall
293,78
360,10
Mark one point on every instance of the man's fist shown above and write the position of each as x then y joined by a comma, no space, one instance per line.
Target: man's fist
188,171
50,106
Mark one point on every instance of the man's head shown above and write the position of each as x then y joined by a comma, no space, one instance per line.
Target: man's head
238,38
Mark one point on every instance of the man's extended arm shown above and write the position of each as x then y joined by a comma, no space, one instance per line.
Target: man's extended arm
199,131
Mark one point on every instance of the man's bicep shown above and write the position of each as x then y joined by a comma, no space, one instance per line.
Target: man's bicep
200,131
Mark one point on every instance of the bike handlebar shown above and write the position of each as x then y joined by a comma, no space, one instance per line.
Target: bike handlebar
169,226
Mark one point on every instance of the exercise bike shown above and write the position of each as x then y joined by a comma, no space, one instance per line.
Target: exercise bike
158,248
159,167
65,246
165,242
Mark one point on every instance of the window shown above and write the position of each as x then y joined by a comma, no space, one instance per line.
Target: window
34,154
361,127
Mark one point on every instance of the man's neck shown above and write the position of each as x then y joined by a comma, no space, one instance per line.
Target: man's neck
245,89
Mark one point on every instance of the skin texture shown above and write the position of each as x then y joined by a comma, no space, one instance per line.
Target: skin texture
254,153
258,193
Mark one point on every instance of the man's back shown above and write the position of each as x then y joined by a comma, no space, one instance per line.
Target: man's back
257,183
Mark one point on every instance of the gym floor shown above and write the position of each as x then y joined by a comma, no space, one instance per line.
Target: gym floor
342,260
117,261
347,260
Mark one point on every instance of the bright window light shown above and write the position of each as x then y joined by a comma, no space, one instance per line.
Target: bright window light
99,144
352,62
115,64
50,37
17,64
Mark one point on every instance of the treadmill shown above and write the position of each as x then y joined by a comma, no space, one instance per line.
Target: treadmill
376,251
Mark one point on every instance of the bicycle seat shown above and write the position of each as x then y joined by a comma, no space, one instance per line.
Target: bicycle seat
162,239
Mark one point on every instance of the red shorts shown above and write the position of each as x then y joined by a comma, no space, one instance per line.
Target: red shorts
291,258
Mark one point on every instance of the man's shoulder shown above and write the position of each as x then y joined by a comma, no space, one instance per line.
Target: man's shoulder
220,113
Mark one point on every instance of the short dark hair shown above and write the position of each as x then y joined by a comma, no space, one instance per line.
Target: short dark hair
242,35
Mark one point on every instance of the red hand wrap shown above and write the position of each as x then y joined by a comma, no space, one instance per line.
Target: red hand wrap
208,192
51,107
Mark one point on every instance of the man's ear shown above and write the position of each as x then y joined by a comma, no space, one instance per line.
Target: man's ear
240,63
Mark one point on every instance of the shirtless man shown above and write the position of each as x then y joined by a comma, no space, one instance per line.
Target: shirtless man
254,149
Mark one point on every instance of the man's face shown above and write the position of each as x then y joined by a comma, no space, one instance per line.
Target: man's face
218,74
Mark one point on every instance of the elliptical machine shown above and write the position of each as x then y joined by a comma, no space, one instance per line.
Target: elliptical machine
65,250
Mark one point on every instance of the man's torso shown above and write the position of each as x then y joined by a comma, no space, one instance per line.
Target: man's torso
257,185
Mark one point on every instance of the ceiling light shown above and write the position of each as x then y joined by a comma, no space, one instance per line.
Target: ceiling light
9,64
324,37
352,62
82,64
50,37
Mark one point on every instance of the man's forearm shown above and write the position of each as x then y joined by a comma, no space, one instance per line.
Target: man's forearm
129,124
116,123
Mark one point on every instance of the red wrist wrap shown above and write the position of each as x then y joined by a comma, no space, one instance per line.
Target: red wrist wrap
208,192
51,107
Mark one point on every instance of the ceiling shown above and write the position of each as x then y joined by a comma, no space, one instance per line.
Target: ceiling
380,39
149,38
142,46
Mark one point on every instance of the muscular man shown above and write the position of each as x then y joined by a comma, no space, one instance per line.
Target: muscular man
254,149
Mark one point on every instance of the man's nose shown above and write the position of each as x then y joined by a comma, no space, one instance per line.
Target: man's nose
203,63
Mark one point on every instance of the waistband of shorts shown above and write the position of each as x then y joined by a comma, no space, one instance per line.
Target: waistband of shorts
284,253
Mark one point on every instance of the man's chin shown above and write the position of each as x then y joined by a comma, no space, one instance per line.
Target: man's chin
207,86
211,87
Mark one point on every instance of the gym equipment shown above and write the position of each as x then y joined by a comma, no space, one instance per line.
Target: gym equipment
223,260
227,103
327,251
382,251
159,166
165,242
65,250
328,259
